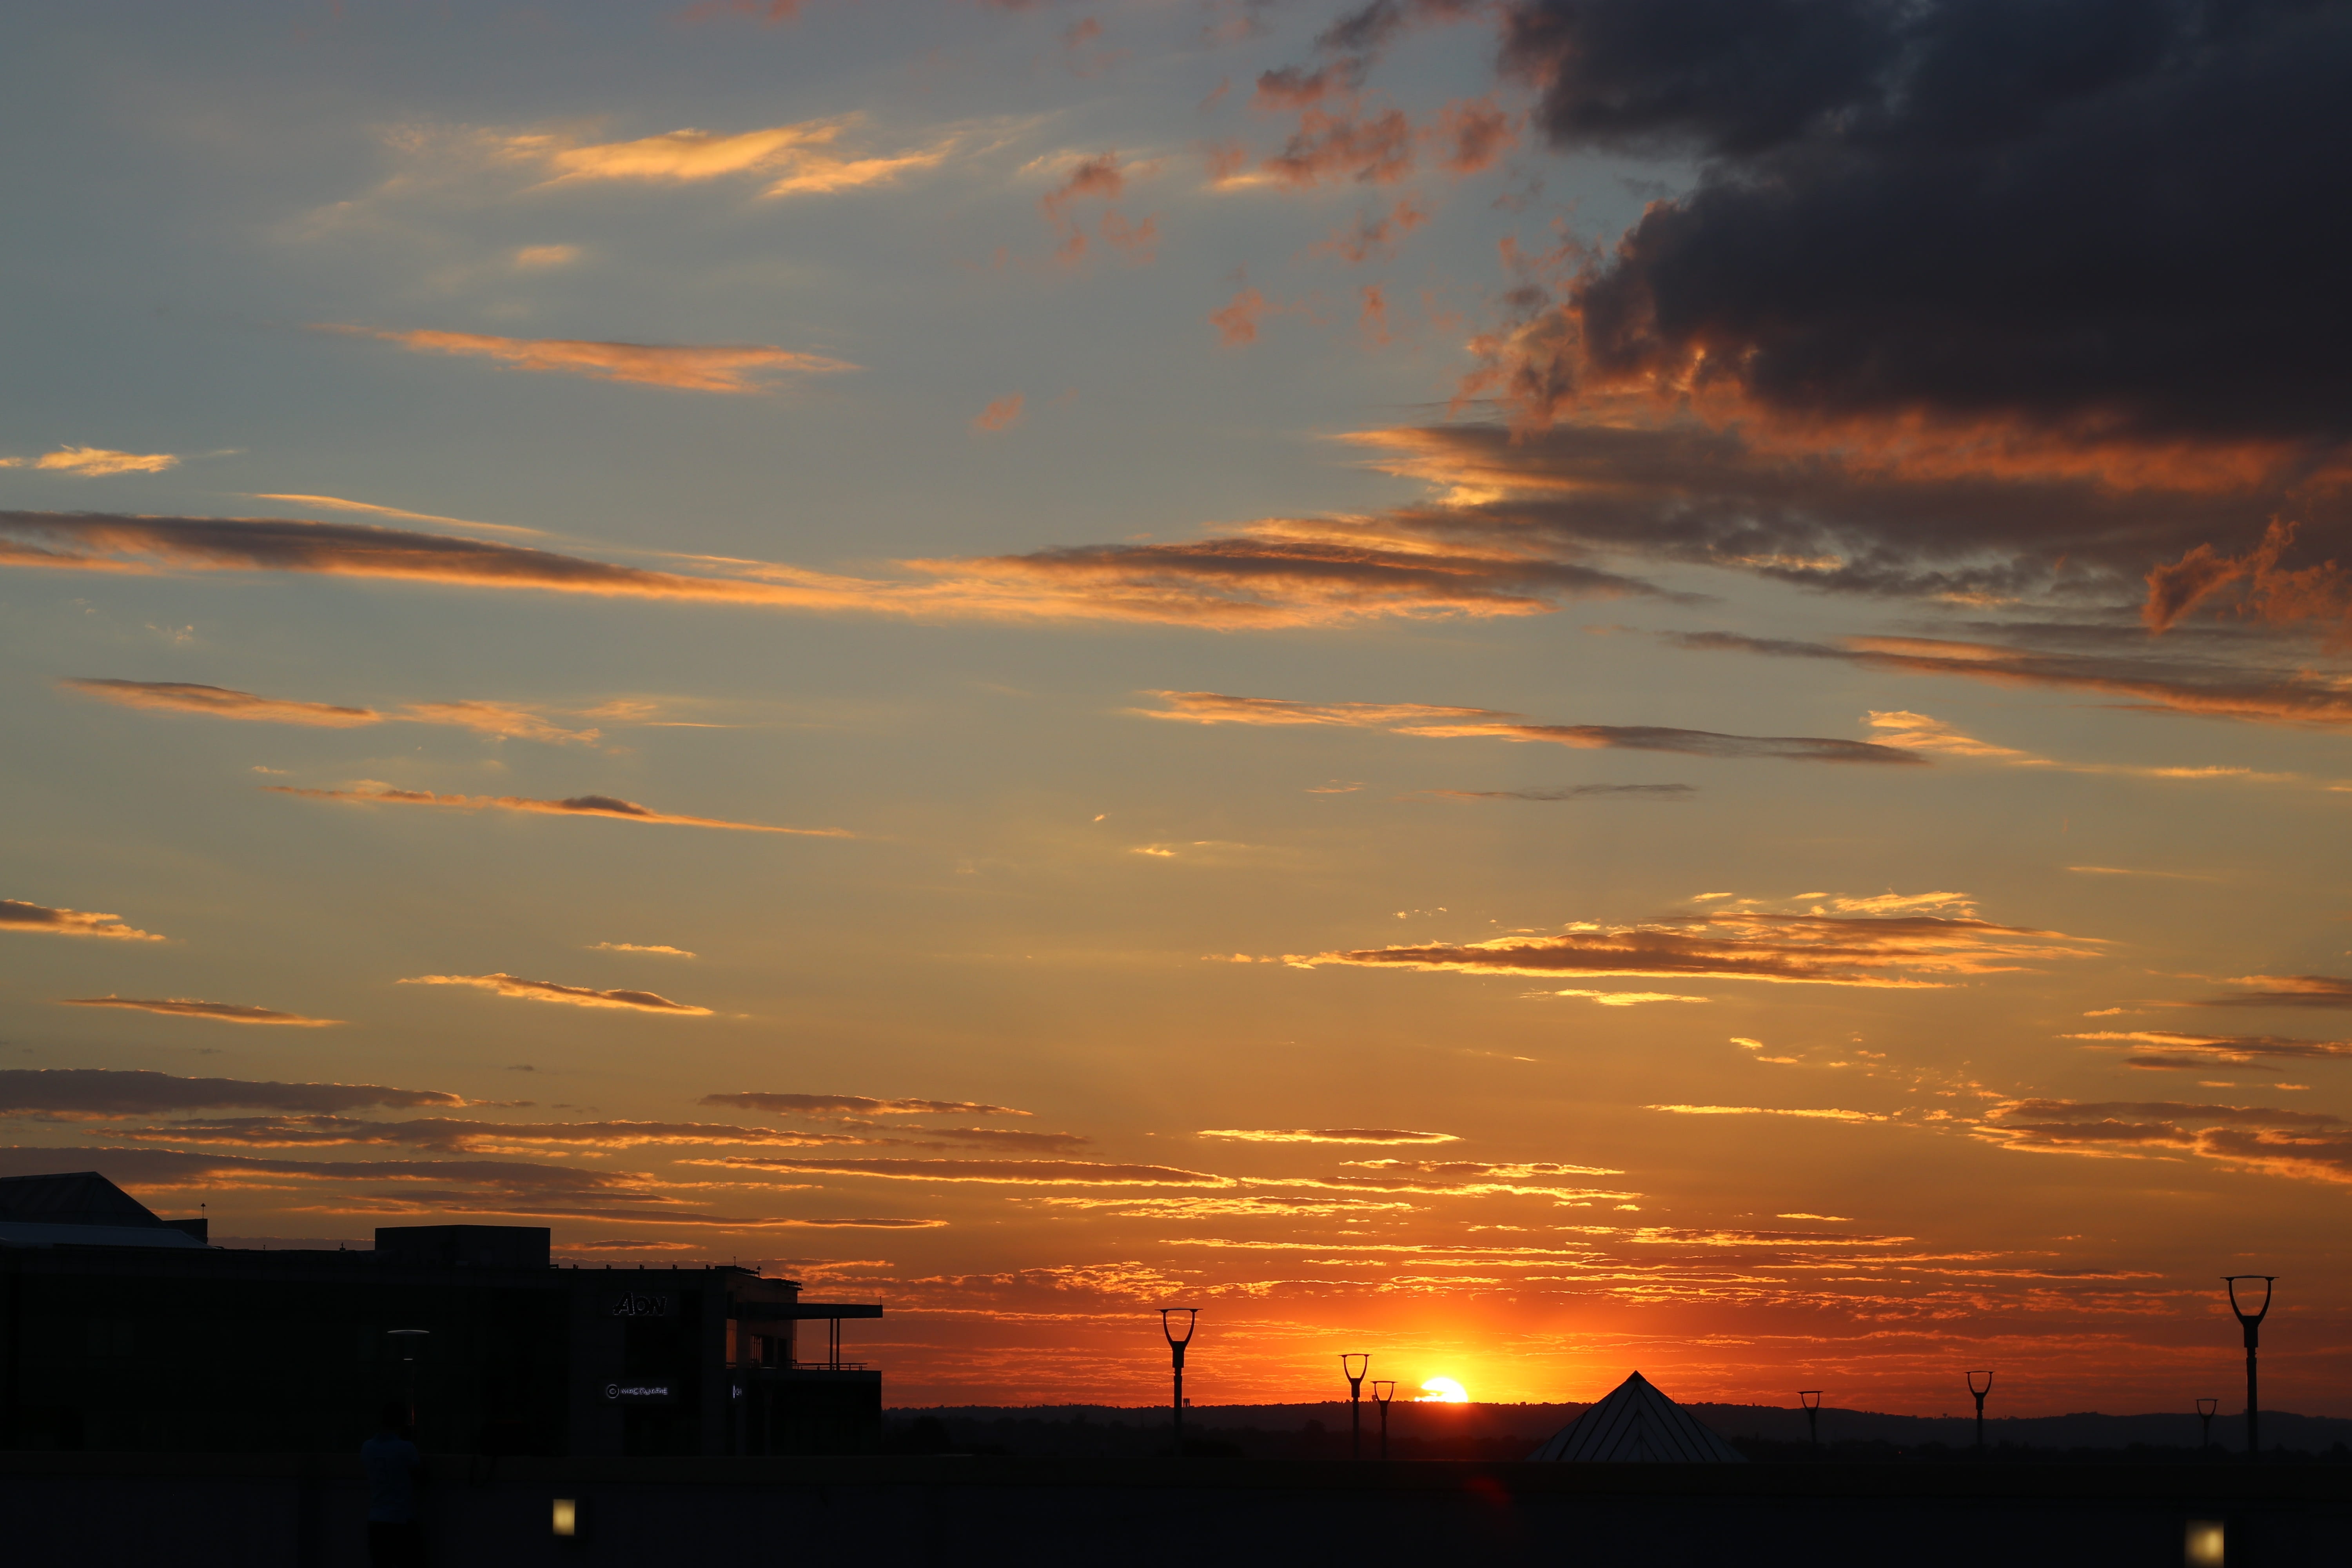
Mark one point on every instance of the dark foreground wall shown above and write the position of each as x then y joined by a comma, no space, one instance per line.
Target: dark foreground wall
255,1511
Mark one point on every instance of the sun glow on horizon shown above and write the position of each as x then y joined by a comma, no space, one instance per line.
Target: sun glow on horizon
1442,1391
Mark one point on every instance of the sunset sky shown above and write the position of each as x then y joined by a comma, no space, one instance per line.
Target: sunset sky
1537,686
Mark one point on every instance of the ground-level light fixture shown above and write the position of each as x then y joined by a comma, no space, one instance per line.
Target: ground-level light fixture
1353,1365
1810,1399
564,1517
2250,1317
1383,1395
2204,1545
1981,1384
2205,1408
1176,1343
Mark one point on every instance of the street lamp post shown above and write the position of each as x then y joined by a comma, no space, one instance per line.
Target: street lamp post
1979,1392
1384,1393
410,1344
2253,1324
2205,1408
1353,1366
1810,1399
1176,1354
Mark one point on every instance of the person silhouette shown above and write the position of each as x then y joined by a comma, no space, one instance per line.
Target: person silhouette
395,1539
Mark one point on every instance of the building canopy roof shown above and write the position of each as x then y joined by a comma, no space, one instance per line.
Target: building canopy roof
1637,1425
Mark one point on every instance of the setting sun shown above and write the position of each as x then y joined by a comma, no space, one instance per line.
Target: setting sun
1442,1391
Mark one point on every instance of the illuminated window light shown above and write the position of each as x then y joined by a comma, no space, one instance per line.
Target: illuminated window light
2202,1544
566,1520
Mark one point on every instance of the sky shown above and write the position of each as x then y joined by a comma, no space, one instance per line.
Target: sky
1539,686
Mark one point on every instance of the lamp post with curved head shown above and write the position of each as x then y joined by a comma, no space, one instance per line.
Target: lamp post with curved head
1383,1394
1176,1353
1353,1366
1810,1399
2251,1317
2205,1408
1979,1384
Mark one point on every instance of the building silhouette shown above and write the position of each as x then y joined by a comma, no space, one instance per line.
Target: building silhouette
1635,1423
120,1330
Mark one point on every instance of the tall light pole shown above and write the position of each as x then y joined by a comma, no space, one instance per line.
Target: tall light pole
2253,1322
2205,1408
1353,1366
1979,1392
1384,1393
1810,1399
410,1344
1176,1354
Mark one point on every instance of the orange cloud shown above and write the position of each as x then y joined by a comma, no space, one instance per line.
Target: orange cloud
92,462
2283,991
1100,178
2203,1053
577,805
113,1093
220,702
1328,1135
1874,951
2280,1143
1471,135
572,996
1002,415
1282,572
1374,237
1237,321
799,159
1765,1110
685,367
500,719
1346,145
1445,723
1008,1173
637,947
17,915
856,1105
184,1008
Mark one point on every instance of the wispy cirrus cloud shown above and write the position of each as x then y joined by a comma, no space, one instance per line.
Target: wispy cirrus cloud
1892,950
1622,998
1441,723
1565,792
94,462
340,503
2303,1144
832,1105
654,947
1818,1115
119,1092
736,368
219,703
1327,1135
572,996
1000,1172
2282,991
575,806
1274,574
19,916
2171,1051
807,158
188,1007
2173,683
502,720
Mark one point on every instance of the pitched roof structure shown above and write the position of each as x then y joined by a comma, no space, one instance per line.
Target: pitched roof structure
1637,1425
72,1197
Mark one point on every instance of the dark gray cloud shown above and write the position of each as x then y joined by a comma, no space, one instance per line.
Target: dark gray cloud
2110,215
2283,991
2167,1050
105,1092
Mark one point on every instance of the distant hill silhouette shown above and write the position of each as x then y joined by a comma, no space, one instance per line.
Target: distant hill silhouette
1494,1432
